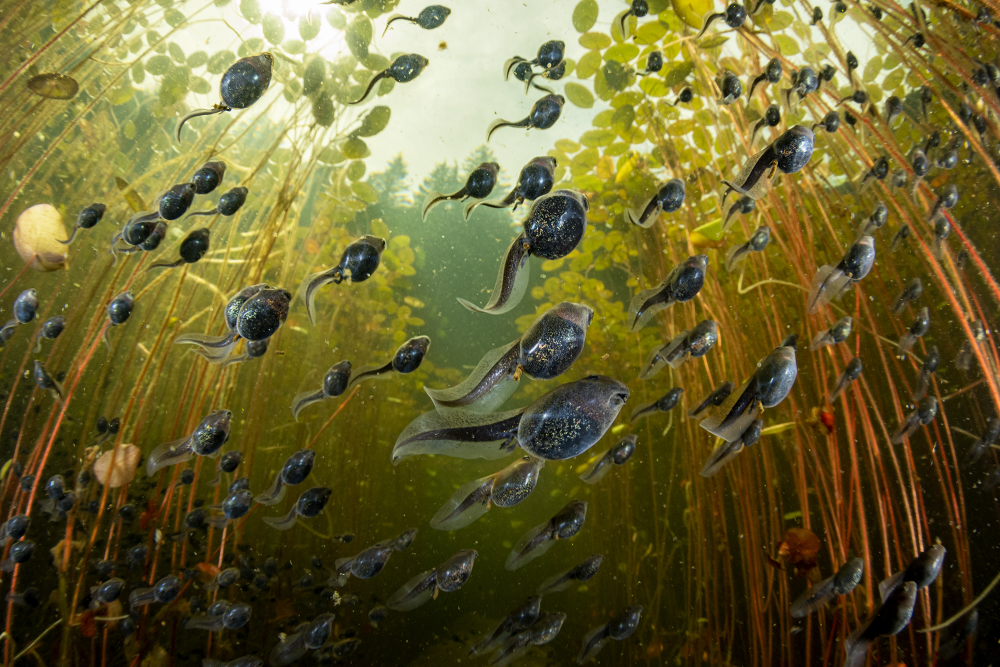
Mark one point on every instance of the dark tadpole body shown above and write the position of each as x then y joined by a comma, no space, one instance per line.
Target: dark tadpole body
834,281
921,324
554,225
966,355
682,284
579,573
757,242
744,205
406,360
554,74
549,55
370,561
563,526
87,218
217,348
163,591
893,108
403,69
947,199
7,331
478,185
308,506
18,554
850,374
360,260
429,18
637,8
445,578
911,292
263,314
242,85
229,203
176,201
334,384
535,180
899,237
931,362
771,118
942,229
956,643
294,471
665,403
25,306
472,500
859,97
119,310
731,87
616,456
193,247
654,63
980,447
804,81
771,74
208,177
14,528
923,415
922,571
878,172
879,216
830,122
718,395
817,16
253,350
543,115
734,17
209,436
788,154
521,618
669,198
154,239
827,73
619,628
689,344
842,582
685,96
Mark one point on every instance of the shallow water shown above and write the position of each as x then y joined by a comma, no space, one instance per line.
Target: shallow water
715,562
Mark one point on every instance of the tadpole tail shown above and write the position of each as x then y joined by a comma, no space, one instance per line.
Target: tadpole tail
369,374
758,7
305,398
756,128
435,198
708,22
623,23
165,265
235,360
491,203
195,114
530,82
378,77
308,289
497,124
397,17
753,84
214,211
72,235
510,65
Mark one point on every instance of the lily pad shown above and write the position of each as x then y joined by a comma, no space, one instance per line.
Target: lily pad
585,15
250,9
309,29
197,59
595,41
354,149
158,65
323,111
588,64
579,95
274,28
692,12
375,121
218,63
676,74
358,36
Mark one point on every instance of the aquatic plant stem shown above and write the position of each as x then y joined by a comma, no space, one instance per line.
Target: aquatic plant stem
332,417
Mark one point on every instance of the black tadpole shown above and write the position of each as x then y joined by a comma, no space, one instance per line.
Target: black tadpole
734,16
244,83
193,248
403,69
771,74
685,96
638,9
543,115
229,203
429,18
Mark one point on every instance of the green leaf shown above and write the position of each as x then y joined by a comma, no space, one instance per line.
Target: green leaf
681,127
176,52
567,145
616,149
650,33
314,76
376,62
250,9
622,119
595,41
596,138
586,160
713,41
588,64
585,15
323,111
158,65
129,130
579,95
221,61
354,149
331,155
200,86
252,46
872,68
294,46
375,121
173,18
358,36
653,87
197,59
356,170
891,62
622,53
274,28
603,119
676,74
365,192
309,29
588,182
893,79
138,72
780,21
787,45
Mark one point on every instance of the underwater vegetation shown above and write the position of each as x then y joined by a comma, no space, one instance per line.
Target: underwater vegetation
704,374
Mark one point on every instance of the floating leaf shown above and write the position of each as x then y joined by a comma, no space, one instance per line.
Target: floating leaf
121,94
309,29
375,121
323,111
354,149
650,33
585,15
358,36
365,192
615,75
676,74
780,21
294,46
891,62
376,62
622,119
595,41
219,62
579,95
588,64
173,18
331,155
200,86
692,11
653,87
356,170
567,146
138,72
176,52
872,68
314,76
597,138
158,65
622,53
128,129
787,45
54,86
603,119
894,79
274,28
197,59
336,19
714,41
250,9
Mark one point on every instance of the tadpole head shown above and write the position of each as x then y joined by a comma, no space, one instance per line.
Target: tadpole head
794,148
